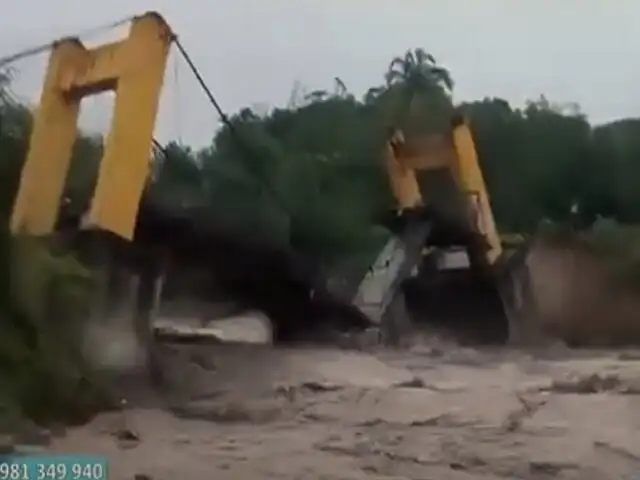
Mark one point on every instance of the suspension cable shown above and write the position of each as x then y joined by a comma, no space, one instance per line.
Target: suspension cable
159,146
227,122
203,84
32,51
38,49
177,111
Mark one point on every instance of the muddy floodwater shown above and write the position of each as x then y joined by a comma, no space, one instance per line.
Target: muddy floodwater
433,411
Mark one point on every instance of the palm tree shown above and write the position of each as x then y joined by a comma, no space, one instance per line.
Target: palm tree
316,96
373,94
5,98
340,89
15,118
417,74
5,79
247,115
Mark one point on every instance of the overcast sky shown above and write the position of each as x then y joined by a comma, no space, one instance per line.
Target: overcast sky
252,51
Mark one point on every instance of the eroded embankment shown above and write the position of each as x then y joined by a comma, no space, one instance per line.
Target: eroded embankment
580,299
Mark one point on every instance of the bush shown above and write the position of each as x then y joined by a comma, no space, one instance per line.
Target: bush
43,301
616,244
620,245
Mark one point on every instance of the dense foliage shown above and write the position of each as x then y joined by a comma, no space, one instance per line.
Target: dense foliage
43,297
309,176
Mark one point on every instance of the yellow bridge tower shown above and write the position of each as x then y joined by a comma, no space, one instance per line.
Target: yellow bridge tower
133,68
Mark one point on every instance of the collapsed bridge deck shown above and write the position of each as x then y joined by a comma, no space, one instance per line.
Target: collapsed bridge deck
254,274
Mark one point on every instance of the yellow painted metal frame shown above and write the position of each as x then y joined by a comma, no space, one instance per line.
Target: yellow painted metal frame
470,180
461,158
134,69
433,152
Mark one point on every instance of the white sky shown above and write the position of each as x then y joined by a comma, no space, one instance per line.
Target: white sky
252,51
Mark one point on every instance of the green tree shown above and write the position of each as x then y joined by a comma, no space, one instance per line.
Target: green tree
309,175
420,83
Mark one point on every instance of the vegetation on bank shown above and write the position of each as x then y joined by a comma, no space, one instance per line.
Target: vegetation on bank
307,176
44,297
